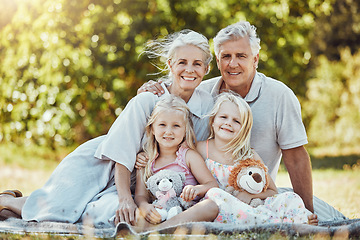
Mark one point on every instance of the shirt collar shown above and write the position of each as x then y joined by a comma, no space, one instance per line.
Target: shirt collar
194,102
255,88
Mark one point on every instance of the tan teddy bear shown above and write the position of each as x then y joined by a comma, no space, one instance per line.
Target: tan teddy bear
249,175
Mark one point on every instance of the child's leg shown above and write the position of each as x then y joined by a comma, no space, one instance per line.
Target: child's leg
206,210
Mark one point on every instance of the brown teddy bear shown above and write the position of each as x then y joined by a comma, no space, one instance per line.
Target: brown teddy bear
249,175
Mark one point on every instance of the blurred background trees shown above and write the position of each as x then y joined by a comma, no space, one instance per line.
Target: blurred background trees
68,68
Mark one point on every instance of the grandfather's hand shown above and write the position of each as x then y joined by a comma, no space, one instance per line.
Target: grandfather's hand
126,211
152,86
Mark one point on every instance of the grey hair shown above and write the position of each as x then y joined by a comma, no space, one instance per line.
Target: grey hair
236,31
165,48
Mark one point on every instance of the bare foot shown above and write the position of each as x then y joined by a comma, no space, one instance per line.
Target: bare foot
312,220
5,207
5,214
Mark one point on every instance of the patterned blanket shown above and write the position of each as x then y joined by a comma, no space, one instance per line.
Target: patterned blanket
347,228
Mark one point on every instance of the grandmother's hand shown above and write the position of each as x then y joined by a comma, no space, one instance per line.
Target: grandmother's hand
152,86
126,211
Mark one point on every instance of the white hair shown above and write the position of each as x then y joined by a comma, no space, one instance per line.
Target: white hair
236,31
165,49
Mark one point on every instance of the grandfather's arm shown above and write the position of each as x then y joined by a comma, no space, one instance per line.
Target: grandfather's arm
297,162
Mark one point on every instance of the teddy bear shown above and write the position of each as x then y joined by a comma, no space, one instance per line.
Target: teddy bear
166,186
249,175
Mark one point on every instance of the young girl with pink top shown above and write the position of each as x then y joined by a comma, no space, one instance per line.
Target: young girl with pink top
170,145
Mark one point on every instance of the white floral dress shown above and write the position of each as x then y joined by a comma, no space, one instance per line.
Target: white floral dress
286,207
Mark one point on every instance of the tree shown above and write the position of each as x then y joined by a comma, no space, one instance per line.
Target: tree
333,103
337,27
68,67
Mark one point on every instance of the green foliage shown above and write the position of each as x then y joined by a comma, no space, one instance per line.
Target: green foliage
68,68
338,27
333,103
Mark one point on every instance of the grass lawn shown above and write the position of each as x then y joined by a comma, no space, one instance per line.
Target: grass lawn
27,168
339,188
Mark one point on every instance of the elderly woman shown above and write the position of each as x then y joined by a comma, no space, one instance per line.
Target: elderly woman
93,183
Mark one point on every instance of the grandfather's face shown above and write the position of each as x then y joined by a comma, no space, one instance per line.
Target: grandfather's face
237,65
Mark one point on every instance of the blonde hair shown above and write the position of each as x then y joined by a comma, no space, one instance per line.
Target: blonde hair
165,49
151,147
239,146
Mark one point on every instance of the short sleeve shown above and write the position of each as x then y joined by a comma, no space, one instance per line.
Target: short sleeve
291,132
125,136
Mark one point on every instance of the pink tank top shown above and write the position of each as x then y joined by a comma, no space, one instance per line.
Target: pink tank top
179,165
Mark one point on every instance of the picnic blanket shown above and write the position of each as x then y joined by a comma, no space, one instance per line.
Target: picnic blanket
349,228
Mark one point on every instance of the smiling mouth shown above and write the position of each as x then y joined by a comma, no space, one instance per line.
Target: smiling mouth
226,129
189,78
237,73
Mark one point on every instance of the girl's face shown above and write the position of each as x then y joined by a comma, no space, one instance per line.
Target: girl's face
227,122
169,128
188,67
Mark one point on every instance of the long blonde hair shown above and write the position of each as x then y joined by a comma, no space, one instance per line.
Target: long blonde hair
151,147
239,146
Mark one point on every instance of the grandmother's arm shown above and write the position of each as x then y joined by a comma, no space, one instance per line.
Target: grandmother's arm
121,145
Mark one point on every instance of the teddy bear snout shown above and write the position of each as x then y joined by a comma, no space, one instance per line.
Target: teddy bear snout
165,184
257,177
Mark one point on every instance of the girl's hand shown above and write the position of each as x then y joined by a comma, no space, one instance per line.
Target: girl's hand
141,160
189,193
244,197
148,211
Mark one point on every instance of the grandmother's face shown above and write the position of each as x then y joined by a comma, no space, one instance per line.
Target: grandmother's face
188,67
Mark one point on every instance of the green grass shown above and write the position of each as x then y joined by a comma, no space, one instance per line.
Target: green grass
339,188
336,180
27,167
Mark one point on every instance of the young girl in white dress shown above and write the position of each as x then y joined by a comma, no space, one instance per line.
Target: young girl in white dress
229,142
170,145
